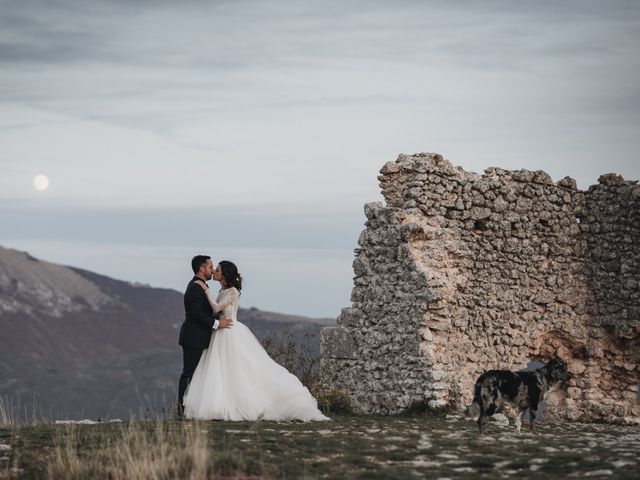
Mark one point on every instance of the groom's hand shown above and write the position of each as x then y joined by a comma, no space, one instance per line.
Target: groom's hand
224,323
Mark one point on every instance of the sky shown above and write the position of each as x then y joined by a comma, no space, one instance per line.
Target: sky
254,131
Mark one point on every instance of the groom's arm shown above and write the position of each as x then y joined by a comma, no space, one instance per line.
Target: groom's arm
193,306
216,320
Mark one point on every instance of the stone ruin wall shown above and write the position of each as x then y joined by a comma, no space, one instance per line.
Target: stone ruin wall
460,273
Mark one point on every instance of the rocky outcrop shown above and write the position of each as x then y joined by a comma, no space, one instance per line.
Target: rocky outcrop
459,273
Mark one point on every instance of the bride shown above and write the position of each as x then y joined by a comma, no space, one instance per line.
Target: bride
235,378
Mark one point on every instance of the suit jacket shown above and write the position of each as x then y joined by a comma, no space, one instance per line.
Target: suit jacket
199,317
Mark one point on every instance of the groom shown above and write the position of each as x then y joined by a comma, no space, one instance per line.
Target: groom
199,323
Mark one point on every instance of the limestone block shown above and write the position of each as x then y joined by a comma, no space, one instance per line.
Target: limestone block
337,343
568,182
610,179
389,168
437,403
347,318
372,209
499,204
438,375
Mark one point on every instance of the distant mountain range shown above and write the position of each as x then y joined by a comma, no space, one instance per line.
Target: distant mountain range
85,345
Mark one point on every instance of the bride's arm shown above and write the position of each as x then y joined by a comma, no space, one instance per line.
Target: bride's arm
226,300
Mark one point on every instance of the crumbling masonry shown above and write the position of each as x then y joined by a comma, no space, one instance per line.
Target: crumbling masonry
460,273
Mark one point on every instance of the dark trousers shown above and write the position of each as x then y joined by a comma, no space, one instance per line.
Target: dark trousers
190,359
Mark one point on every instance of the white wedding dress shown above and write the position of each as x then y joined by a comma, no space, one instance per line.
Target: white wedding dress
237,380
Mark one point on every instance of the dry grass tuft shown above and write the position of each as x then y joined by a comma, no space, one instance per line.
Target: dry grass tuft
13,417
332,400
7,413
134,453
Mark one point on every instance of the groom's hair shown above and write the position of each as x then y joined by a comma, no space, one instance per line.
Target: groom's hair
198,261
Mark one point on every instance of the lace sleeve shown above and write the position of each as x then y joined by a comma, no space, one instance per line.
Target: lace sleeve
228,297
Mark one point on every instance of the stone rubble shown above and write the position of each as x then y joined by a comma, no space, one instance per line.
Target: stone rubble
460,273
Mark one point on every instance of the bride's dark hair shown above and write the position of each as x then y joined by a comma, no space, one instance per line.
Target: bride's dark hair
230,274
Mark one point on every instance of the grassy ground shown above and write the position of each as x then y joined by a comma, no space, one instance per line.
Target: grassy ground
347,447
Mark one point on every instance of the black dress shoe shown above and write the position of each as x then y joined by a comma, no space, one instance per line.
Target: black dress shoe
180,413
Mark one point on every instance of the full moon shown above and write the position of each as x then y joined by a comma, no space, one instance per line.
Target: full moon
40,183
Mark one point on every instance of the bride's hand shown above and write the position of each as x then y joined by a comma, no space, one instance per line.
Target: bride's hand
202,284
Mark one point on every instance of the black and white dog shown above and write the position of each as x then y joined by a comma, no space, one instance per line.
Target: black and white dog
516,392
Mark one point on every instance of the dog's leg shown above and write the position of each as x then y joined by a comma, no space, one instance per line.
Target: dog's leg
482,420
512,414
532,420
518,421
485,413
533,409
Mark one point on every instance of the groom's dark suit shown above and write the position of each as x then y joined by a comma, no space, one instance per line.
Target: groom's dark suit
195,333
